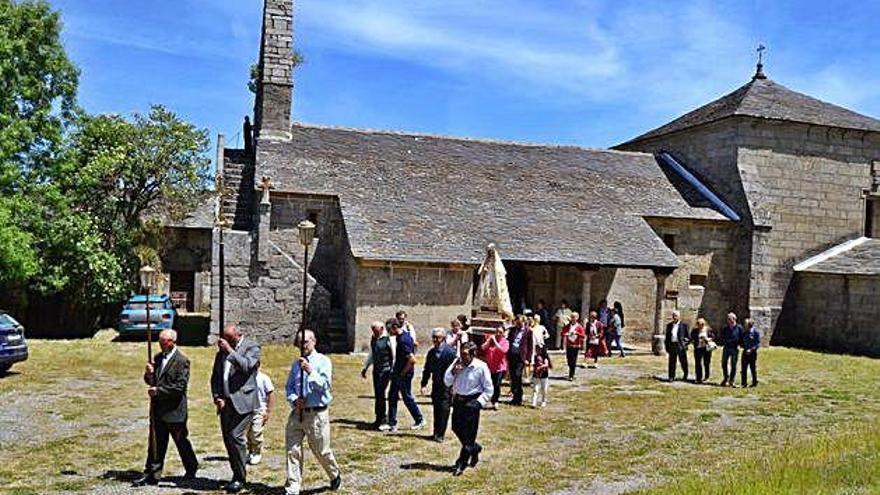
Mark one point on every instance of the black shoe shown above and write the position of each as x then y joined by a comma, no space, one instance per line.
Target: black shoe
147,479
234,487
754,384
459,468
475,457
190,475
437,439
336,483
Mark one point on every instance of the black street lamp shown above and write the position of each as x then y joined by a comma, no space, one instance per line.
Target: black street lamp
222,225
306,237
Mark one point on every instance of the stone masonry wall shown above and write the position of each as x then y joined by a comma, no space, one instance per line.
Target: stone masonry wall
431,294
704,249
710,152
275,86
265,299
811,181
838,313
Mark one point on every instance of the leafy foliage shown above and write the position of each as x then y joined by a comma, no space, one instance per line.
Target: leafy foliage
77,190
37,91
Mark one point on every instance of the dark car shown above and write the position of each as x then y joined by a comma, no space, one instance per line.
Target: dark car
13,346
133,318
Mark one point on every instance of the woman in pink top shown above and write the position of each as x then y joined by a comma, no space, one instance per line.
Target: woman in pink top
495,349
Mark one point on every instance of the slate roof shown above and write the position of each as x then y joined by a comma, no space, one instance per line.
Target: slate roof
200,217
439,199
763,98
863,258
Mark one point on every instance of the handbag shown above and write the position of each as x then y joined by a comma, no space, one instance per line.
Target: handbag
711,345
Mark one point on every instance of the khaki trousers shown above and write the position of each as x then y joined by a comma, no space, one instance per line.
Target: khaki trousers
255,434
315,427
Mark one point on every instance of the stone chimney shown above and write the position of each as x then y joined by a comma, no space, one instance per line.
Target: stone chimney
275,78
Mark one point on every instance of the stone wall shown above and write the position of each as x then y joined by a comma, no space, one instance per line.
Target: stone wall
431,294
275,86
704,284
289,210
811,180
188,250
265,299
837,313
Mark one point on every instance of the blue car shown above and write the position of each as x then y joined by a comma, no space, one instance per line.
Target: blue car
13,346
133,319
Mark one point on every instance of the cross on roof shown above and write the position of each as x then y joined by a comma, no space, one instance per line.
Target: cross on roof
759,72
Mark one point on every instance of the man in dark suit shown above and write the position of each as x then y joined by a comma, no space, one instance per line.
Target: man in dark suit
438,360
168,379
677,338
519,337
234,388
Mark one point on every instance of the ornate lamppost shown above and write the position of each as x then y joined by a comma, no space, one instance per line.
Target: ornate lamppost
148,282
306,237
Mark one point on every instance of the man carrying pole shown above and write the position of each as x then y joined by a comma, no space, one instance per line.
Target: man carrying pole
308,392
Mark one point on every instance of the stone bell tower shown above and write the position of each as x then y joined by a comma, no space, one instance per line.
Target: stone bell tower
275,78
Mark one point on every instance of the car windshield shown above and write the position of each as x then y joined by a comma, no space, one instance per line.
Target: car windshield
7,321
140,305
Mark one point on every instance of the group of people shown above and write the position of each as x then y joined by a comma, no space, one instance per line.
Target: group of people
465,371
244,398
731,339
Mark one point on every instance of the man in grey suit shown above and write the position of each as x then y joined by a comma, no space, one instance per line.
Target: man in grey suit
234,388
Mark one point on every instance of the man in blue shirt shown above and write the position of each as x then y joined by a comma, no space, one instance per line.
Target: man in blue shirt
731,337
309,417
402,373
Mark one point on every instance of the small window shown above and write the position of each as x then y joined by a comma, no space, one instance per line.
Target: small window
698,280
669,240
872,210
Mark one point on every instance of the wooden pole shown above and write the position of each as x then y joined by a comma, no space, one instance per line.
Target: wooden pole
150,360
302,328
222,266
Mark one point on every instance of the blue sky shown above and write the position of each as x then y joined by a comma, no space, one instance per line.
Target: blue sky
592,73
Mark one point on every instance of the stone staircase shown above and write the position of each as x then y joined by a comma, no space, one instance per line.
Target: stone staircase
238,172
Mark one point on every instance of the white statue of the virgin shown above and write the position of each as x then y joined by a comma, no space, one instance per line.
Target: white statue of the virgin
492,291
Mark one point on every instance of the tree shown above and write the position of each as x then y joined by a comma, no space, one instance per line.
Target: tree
37,91
116,174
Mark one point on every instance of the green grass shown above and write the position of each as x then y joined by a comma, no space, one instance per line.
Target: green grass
812,426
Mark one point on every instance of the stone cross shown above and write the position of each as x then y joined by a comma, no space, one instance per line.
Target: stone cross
759,73
266,185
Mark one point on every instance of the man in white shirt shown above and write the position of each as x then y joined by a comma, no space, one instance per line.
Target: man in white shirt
676,342
266,398
472,389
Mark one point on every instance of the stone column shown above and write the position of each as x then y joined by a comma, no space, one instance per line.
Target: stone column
586,288
657,344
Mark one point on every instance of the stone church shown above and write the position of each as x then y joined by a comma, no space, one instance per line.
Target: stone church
763,202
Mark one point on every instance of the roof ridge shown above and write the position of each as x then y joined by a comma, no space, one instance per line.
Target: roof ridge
466,139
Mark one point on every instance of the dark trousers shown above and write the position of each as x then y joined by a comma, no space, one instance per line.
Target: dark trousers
703,362
678,353
515,368
465,424
234,427
571,356
441,403
608,341
380,388
402,387
180,434
728,363
749,361
496,386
